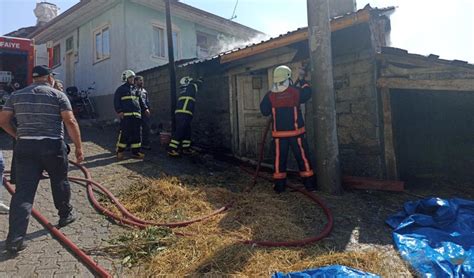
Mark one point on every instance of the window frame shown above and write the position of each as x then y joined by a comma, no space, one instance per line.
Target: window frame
100,31
175,29
55,65
71,39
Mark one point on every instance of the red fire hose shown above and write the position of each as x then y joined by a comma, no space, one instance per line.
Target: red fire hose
88,261
130,219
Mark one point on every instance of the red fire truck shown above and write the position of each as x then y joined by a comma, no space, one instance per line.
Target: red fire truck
17,59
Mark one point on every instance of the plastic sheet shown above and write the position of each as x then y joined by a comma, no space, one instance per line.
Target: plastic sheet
436,236
338,271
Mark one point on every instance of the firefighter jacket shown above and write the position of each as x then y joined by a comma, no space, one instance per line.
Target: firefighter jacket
187,98
285,110
127,99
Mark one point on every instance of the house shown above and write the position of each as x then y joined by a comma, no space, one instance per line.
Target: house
94,41
386,124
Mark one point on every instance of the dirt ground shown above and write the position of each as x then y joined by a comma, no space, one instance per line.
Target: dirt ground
358,215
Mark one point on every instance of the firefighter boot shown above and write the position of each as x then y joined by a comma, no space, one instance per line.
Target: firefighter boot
280,186
138,155
120,156
188,151
173,153
310,183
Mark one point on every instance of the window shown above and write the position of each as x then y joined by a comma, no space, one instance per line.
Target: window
205,44
56,55
102,44
69,44
176,45
160,43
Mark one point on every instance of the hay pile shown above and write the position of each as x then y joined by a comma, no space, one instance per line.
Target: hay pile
214,248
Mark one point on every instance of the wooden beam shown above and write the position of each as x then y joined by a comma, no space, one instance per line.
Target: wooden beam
434,85
389,146
373,184
301,35
391,70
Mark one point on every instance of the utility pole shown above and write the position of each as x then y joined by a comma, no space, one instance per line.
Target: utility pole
324,108
171,66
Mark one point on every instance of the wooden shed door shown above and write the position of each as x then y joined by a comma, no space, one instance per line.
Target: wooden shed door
250,91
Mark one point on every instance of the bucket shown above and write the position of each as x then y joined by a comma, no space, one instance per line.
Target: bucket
165,138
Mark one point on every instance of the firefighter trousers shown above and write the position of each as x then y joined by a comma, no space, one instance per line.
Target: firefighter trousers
145,130
182,135
129,134
300,150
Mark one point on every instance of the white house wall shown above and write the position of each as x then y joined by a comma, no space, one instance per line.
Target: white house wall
131,47
139,24
106,73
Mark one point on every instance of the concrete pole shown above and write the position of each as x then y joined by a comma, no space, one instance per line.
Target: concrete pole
324,108
171,66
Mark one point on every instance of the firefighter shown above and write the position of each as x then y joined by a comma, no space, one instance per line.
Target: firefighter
184,115
283,102
128,105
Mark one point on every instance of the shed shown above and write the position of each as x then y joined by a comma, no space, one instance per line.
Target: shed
228,119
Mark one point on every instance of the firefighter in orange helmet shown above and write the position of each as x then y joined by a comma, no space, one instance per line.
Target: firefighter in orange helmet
283,102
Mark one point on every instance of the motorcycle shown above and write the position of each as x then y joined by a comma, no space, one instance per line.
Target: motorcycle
82,105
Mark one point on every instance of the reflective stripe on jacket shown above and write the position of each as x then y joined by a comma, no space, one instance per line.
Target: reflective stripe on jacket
128,100
187,98
284,107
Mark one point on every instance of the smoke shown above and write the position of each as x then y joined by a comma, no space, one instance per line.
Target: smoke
226,43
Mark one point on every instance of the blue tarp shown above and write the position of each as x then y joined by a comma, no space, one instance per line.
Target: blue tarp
338,271
436,236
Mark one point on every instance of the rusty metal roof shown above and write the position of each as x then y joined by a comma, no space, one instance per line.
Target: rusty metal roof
334,21
431,58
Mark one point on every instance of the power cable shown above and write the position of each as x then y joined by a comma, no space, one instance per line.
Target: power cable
235,8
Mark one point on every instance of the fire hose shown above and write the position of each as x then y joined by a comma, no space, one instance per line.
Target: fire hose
130,219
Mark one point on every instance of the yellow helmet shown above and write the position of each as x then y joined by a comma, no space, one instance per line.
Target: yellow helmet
185,80
281,73
127,74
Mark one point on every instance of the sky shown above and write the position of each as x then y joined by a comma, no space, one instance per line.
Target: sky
441,27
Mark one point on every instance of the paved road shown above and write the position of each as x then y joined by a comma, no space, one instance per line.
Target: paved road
45,256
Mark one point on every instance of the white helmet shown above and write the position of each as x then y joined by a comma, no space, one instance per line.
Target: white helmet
127,74
185,80
281,73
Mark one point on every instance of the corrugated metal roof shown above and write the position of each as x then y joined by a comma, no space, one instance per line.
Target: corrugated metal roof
379,11
432,57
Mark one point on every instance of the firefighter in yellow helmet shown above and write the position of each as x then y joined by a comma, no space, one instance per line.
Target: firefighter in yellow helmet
282,103
129,105
184,115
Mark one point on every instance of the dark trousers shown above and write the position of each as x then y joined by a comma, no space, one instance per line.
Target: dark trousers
145,130
32,158
12,167
300,150
182,134
129,134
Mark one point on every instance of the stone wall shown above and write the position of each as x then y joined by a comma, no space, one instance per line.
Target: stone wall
358,122
211,122
357,104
